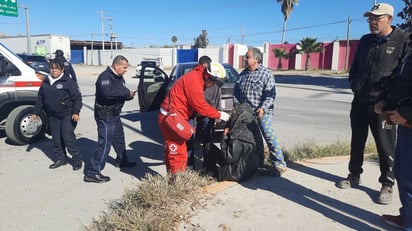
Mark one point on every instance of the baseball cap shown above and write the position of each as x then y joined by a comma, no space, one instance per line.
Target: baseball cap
217,73
380,9
58,52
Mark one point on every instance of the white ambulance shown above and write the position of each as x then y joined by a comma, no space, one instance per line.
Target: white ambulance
19,84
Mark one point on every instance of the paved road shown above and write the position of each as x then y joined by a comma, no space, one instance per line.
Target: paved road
34,197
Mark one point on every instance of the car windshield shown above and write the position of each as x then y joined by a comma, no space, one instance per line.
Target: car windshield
148,63
180,69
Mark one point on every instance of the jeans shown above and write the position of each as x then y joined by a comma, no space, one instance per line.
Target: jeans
403,173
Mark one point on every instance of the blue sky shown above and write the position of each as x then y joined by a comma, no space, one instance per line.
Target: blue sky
143,23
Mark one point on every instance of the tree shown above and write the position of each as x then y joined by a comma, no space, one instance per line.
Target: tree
280,53
174,40
406,15
309,45
286,8
202,41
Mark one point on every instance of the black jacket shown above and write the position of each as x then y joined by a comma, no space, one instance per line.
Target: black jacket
111,93
399,95
241,152
375,59
61,99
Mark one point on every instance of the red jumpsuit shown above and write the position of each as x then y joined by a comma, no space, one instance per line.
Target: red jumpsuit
186,97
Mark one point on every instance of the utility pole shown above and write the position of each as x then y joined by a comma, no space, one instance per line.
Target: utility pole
243,35
347,44
91,54
26,9
102,18
374,2
111,36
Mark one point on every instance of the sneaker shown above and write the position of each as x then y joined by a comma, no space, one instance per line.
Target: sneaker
279,170
385,195
271,171
350,181
394,221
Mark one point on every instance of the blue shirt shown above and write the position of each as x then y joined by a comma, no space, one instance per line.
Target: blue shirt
256,88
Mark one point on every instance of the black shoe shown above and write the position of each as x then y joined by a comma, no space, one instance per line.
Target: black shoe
57,164
77,165
96,178
124,164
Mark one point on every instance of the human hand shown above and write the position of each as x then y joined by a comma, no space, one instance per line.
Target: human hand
224,116
75,117
225,131
395,117
34,117
379,106
259,112
132,93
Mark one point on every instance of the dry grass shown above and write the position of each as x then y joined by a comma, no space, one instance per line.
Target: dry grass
311,150
160,203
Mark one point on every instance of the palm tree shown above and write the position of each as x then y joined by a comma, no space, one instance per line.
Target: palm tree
280,53
174,40
309,45
287,7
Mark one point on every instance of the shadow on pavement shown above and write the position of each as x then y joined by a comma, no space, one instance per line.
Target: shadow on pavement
148,124
139,151
330,207
330,82
45,145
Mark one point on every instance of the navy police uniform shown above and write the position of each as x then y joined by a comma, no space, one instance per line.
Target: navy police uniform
60,101
111,93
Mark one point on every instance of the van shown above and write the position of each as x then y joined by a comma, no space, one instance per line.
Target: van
19,85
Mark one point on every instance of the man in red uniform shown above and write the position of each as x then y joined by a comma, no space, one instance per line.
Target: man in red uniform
185,97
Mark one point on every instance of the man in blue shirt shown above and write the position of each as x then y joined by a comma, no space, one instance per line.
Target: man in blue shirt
256,86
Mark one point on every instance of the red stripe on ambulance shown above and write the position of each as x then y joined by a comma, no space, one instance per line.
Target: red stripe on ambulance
28,84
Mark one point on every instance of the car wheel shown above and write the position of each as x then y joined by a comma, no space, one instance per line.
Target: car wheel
21,129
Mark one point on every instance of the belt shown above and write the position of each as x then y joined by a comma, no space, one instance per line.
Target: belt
163,112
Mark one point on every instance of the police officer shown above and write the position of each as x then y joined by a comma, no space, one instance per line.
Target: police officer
68,68
60,97
111,93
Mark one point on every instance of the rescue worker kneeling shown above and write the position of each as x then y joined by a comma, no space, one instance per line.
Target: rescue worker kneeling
241,151
185,97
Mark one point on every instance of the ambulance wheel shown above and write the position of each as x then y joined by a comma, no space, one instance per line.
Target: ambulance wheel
21,129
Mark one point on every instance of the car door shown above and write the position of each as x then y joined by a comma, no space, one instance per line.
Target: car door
152,88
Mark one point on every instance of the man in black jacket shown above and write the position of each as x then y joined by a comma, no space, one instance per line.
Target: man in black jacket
396,103
111,93
376,57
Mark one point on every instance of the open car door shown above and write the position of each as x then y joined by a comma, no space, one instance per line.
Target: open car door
152,88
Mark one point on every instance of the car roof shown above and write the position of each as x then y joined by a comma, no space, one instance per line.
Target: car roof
182,68
32,57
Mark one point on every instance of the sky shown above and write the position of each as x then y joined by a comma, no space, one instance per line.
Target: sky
139,23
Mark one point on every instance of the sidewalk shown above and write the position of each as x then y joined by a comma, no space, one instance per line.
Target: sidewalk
305,198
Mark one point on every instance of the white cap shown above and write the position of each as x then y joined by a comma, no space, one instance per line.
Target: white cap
380,9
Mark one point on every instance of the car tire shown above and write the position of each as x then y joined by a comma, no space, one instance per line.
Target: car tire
20,129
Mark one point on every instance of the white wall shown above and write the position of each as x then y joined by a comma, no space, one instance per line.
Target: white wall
135,55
